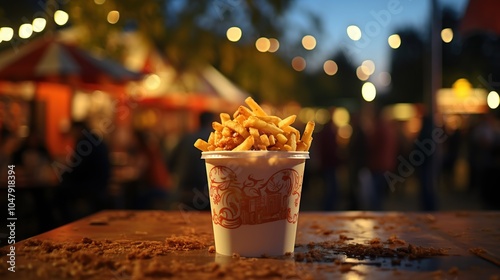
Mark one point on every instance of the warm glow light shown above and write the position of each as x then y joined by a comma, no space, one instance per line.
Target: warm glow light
113,17
233,34
152,82
341,117
262,44
274,45
298,63
493,100
361,74
39,24
368,67
462,87
306,114
447,35
25,30
384,79
354,32
99,2
330,67
61,17
6,33
309,42
369,92
345,131
394,41
403,111
322,116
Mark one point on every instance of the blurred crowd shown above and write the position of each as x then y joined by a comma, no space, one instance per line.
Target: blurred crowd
378,161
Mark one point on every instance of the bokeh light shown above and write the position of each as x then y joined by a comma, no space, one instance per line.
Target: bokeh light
384,79
394,41
262,44
113,17
345,131
233,34
341,117
309,42
322,116
330,67
369,92
368,67
274,45
6,33
493,100
447,35
99,2
361,74
354,32
298,63
39,24
25,30
61,17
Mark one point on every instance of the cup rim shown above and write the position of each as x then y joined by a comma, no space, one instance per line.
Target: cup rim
255,154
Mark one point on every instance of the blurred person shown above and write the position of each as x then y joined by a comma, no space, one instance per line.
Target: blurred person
329,160
85,175
186,163
382,149
152,186
357,161
35,177
451,151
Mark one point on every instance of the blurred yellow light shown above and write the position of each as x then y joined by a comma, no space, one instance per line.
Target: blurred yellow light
369,92
394,41
262,44
113,17
6,33
345,131
306,114
99,2
25,30
330,67
403,111
152,82
39,24
368,67
308,42
298,63
462,87
354,32
233,34
413,125
322,116
361,74
61,17
341,117
447,35
493,100
274,45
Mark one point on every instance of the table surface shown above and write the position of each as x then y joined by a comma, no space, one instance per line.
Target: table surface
344,245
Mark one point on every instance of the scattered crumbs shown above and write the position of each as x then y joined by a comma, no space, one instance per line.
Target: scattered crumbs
236,256
141,232
345,267
394,240
344,237
211,249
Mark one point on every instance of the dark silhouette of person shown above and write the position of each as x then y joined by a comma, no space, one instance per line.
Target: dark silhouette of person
35,178
86,177
186,163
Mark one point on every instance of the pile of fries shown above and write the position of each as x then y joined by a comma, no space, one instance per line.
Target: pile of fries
253,129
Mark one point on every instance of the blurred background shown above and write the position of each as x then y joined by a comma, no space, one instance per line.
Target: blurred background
102,100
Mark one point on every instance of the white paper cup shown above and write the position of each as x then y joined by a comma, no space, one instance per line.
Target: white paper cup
255,199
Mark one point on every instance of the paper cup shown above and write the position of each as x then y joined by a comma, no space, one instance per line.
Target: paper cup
255,199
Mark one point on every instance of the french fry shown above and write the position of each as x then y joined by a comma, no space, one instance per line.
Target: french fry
256,109
251,128
224,117
245,145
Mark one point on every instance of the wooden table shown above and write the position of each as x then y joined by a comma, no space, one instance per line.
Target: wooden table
345,245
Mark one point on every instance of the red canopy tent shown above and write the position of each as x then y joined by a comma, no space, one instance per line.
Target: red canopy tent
58,68
481,15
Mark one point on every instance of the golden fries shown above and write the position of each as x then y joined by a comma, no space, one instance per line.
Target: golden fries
253,129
